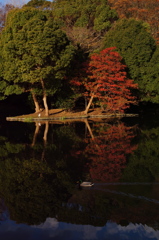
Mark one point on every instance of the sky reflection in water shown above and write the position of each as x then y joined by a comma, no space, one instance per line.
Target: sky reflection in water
52,229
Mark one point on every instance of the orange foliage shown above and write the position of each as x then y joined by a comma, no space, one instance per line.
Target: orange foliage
107,80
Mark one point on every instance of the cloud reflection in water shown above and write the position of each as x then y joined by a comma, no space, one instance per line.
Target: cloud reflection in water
51,229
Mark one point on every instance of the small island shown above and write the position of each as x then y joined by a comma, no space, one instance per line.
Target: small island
63,115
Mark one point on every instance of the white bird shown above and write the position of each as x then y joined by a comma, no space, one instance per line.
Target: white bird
84,184
39,115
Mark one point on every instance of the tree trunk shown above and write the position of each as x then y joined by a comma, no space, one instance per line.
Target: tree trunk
35,133
91,134
46,132
45,104
89,104
45,140
45,99
89,128
37,107
85,101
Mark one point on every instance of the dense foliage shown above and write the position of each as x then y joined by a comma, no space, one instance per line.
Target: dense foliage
85,22
134,43
136,46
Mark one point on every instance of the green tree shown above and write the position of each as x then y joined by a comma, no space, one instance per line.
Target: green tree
85,21
151,79
35,53
6,88
135,44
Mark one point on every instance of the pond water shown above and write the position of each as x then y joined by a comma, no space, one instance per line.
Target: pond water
41,163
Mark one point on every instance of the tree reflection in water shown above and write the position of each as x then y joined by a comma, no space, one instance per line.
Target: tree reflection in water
35,177
107,150
39,170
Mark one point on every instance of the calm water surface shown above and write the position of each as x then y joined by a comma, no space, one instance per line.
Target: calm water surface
40,164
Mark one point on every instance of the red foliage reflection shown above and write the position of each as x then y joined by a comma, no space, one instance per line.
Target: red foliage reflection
108,150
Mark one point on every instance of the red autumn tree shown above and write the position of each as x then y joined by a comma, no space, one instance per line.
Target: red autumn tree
107,81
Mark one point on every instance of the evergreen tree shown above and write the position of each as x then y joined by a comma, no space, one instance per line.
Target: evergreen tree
135,44
151,79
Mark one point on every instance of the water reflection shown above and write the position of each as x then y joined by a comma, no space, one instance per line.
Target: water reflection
40,164
108,150
52,229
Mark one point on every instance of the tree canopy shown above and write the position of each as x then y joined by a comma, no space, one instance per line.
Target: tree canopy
90,13
85,22
41,4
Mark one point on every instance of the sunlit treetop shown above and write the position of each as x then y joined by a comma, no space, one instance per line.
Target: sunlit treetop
41,4
87,13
